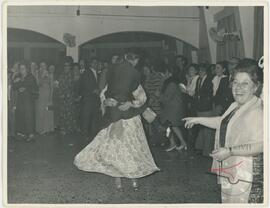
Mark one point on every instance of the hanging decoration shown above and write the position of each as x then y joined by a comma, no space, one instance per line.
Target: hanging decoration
69,40
222,35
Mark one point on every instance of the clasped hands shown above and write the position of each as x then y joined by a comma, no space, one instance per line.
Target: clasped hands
112,103
220,154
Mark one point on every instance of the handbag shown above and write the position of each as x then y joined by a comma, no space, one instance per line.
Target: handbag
149,115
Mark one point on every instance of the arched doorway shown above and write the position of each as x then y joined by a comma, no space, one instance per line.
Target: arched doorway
33,46
154,45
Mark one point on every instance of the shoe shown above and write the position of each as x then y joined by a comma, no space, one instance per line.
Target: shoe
182,147
118,184
170,148
30,139
163,144
135,184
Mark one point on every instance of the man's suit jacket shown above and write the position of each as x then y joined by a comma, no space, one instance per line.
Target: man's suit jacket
88,86
222,96
203,95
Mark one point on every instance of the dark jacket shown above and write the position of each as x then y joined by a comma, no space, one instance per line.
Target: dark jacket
25,109
203,95
122,81
88,86
222,96
173,102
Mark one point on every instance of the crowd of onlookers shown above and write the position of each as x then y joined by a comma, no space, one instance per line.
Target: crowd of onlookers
44,98
184,89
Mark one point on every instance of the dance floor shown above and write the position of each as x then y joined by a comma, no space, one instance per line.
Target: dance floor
43,172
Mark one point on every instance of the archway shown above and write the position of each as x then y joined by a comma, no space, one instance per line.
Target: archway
154,45
33,46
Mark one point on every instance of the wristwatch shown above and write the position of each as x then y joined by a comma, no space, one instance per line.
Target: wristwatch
230,149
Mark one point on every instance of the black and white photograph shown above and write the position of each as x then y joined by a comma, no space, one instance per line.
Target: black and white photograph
135,104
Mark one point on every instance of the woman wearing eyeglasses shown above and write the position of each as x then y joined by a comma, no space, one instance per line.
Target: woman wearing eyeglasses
237,157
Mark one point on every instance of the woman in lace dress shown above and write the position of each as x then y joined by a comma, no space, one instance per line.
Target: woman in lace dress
120,149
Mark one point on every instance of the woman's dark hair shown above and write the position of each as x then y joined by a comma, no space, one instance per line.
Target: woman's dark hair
250,67
68,59
131,56
203,66
175,78
159,68
24,63
224,65
211,67
183,58
195,66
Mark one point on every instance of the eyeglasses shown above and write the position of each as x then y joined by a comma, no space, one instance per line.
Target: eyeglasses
242,85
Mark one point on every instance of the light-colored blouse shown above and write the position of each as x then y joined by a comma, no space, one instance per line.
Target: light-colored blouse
244,128
191,85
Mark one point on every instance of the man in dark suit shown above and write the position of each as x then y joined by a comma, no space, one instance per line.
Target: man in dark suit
222,98
90,109
204,104
204,91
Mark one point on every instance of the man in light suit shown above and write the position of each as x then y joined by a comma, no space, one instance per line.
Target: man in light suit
90,109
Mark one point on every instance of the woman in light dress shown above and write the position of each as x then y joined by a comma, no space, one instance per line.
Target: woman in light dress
120,150
44,116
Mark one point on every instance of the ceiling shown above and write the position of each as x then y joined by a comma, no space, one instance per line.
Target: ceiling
153,11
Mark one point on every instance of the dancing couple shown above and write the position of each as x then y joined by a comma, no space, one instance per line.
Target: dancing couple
120,148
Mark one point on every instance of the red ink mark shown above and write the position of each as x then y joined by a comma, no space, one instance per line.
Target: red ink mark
227,169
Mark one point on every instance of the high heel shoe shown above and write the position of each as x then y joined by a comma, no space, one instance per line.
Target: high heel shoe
170,148
135,184
118,184
181,147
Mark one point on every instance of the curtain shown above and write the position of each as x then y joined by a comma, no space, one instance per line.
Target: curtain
258,33
229,48
204,50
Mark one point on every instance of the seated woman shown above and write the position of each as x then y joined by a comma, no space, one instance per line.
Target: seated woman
120,148
238,150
